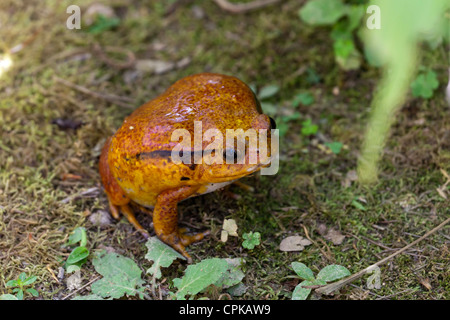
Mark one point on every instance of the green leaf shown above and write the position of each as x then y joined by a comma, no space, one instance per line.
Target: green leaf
22,277
350,62
269,108
103,23
29,280
424,85
20,294
90,297
233,274
78,235
161,254
343,47
333,272
322,12
303,271
121,276
301,293
354,14
358,205
33,292
334,146
304,98
75,267
77,254
308,128
268,91
296,115
198,276
8,296
251,240
312,77
12,283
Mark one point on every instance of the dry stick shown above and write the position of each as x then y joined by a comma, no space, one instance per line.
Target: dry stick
105,96
336,285
243,7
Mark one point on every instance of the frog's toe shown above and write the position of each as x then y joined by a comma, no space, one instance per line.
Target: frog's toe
188,239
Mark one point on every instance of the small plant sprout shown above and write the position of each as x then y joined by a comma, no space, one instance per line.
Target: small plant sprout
20,285
328,274
79,255
251,239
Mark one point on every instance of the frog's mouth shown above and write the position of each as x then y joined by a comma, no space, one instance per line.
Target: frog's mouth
242,173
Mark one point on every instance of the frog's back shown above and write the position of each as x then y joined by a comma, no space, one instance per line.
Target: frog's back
218,101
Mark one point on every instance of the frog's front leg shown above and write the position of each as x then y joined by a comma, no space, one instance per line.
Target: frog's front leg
165,220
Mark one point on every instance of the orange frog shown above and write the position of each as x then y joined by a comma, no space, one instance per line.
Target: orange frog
137,166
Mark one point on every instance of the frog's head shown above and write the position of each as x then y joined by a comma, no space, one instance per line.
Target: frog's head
239,152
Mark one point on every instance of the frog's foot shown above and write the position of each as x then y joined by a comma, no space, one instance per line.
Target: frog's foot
129,214
179,240
244,186
165,220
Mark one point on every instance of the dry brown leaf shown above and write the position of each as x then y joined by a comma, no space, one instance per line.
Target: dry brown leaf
330,234
426,283
294,243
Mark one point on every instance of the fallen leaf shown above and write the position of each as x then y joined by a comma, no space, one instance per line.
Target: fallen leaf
229,228
294,243
351,176
330,234
154,66
335,236
426,283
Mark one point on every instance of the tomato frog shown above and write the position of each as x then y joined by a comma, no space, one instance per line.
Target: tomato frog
137,164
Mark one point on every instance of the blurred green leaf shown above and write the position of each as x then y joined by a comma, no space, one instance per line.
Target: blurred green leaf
8,296
308,128
304,98
322,12
103,23
334,146
268,91
358,205
33,292
425,84
29,280
354,14
269,108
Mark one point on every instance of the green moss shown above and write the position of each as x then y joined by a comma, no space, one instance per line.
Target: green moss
263,47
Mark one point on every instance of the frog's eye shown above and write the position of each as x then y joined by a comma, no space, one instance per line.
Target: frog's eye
273,124
230,155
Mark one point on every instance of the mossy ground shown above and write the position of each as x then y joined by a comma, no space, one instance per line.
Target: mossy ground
269,46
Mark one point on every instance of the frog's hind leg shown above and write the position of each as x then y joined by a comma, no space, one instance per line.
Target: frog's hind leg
118,201
129,214
165,220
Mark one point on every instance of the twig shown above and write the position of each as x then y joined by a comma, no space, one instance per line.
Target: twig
89,191
309,238
115,63
243,7
120,101
337,285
